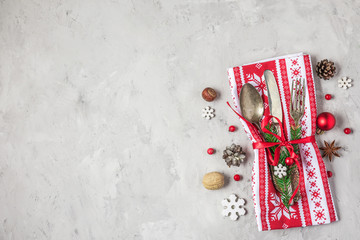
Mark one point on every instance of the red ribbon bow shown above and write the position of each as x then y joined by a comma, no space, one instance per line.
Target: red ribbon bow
282,143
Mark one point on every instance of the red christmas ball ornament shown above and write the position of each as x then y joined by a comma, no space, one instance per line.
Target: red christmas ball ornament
328,96
237,177
232,128
325,121
329,173
210,151
347,130
289,161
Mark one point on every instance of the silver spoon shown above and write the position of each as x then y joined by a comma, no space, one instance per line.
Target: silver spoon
252,109
251,104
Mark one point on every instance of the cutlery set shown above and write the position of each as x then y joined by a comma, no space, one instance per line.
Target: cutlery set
275,101
252,109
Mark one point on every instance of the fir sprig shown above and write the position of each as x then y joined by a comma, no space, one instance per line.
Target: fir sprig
283,183
295,132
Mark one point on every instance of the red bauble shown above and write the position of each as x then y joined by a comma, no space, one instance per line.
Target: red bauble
328,96
329,173
232,128
325,121
347,130
289,161
237,177
210,151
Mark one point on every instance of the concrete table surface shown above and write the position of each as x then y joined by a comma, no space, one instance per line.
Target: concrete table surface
101,134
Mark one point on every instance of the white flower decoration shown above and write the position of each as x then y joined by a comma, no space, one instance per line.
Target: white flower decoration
280,171
344,82
208,113
233,207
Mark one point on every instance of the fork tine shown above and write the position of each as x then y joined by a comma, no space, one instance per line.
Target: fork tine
303,96
298,98
292,97
300,94
295,95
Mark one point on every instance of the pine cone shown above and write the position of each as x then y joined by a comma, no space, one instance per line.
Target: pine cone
234,155
325,69
294,183
295,176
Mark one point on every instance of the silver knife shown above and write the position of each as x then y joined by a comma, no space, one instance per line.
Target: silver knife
276,111
273,95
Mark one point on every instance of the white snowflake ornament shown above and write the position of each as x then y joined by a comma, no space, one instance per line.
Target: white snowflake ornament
280,171
345,82
208,113
233,207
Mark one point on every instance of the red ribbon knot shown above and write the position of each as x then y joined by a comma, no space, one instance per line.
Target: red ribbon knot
282,143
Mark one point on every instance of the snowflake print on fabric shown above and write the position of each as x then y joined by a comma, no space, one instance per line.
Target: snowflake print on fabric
260,85
280,210
314,191
315,194
319,215
310,173
313,184
317,204
294,61
303,122
306,151
303,132
308,163
295,72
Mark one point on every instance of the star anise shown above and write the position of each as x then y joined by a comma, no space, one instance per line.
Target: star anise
330,150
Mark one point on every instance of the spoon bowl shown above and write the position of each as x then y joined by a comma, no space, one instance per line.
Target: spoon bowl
251,104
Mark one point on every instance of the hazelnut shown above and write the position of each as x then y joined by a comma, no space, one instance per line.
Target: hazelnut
209,94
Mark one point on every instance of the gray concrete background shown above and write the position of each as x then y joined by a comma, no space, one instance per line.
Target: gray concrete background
101,135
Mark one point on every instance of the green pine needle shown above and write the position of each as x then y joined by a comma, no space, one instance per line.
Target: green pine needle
295,134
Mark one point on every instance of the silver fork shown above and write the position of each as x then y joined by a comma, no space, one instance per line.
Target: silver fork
297,105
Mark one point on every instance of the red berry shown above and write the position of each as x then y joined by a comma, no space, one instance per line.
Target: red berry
328,96
210,151
347,130
329,173
232,128
237,177
289,161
